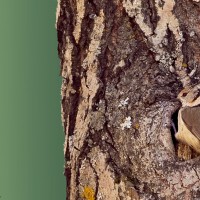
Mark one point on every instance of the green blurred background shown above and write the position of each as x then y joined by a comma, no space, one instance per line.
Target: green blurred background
31,135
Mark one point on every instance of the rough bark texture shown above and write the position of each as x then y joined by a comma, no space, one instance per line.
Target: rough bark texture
123,64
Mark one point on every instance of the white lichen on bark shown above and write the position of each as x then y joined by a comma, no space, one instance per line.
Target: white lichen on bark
127,123
123,103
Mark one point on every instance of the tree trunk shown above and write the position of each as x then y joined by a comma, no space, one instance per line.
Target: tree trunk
123,64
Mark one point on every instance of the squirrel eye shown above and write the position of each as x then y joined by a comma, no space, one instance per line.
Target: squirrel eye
184,94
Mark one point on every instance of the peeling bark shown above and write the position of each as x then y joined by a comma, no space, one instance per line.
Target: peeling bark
123,63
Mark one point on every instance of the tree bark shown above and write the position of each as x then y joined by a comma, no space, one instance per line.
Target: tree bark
123,63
